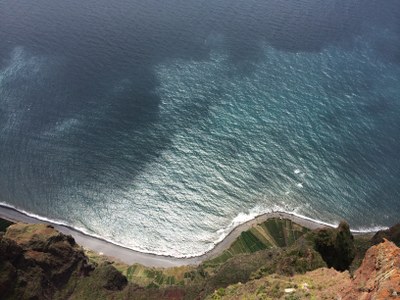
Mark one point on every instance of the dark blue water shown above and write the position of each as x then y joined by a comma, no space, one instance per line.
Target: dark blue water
160,125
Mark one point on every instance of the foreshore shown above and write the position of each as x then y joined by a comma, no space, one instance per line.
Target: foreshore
130,256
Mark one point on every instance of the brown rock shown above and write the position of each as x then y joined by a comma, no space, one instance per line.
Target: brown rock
379,274
37,260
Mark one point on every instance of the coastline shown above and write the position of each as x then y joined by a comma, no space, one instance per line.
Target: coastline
130,256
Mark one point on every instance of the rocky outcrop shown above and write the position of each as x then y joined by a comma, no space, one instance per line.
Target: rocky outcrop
391,234
379,274
39,262
36,261
336,246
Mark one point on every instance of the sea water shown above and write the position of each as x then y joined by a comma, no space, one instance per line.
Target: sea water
162,125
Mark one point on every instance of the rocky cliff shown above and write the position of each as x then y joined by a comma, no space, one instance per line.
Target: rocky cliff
379,274
38,262
378,278
273,260
391,234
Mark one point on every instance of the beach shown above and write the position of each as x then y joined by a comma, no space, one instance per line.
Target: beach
130,256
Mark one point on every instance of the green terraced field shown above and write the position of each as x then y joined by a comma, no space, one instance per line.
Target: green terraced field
158,277
272,233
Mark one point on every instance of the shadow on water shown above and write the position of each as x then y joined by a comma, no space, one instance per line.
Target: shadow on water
109,49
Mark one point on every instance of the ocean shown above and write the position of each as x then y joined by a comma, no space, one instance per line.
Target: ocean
162,125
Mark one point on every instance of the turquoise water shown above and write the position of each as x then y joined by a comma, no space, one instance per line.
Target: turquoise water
166,137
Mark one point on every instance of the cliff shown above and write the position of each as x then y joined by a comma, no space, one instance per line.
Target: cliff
38,262
391,234
379,274
277,259
377,278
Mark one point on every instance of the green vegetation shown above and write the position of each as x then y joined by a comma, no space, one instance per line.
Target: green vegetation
273,233
150,277
270,234
319,284
4,224
274,246
336,246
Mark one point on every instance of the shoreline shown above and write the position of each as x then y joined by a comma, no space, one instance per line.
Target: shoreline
130,256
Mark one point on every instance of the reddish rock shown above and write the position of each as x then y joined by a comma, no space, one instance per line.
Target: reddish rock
379,274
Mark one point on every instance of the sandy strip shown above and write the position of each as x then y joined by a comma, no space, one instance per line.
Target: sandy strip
129,256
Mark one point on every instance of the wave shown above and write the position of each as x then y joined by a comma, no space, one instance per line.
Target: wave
239,220
73,228
254,213
369,229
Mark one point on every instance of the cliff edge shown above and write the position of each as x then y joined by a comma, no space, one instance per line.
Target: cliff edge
276,259
38,262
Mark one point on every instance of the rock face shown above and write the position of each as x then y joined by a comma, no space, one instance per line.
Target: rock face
336,246
36,261
391,234
379,274
377,278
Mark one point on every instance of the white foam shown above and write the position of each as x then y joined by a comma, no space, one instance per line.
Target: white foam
75,228
369,229
238,220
